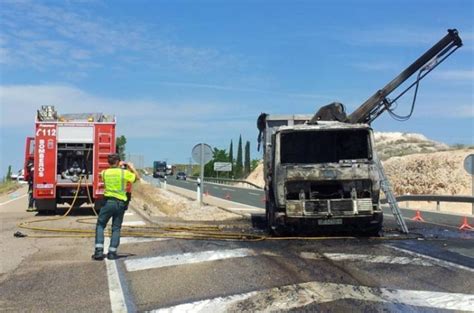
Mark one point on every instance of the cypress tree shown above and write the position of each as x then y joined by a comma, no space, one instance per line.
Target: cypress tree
247,158
239,165
231,158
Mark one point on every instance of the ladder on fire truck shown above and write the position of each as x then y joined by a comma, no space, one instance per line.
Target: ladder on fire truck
391,200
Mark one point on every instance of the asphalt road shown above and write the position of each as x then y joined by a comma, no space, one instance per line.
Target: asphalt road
430,273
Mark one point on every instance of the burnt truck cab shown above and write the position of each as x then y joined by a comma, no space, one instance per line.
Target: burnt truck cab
322,175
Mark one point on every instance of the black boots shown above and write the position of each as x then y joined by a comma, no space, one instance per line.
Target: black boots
112,255
98,255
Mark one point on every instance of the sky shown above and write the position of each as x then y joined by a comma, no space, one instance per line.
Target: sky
177,73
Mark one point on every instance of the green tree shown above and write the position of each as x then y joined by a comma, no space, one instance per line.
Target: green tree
254,165
9,173
120,146
239,164
247,159
231,158
218,155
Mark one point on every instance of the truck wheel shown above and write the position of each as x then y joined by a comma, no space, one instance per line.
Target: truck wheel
46,206
272,227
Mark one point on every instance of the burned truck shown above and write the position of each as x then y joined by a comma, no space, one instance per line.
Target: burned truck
321,170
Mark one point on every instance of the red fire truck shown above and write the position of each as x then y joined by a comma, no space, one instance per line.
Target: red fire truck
68,152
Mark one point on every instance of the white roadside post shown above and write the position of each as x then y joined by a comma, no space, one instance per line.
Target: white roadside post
198,190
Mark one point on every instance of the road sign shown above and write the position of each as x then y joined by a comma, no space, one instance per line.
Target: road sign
206,153
222,166
469,164
469,167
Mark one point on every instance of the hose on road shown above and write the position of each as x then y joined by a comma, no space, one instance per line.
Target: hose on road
191,232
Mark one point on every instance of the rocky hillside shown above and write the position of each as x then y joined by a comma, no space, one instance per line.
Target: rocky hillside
391,144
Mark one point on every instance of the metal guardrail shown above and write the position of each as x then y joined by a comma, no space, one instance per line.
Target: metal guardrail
435,198
227,181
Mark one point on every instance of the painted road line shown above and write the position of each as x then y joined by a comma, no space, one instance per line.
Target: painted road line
254,194
227,189
247,209
386,259
129,214
299,295
185,258
117,298
437,261
14,199
134,223
130,240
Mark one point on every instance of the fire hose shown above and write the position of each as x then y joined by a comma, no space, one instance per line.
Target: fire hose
190,232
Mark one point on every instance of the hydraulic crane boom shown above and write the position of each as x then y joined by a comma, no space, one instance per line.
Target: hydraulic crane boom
378,102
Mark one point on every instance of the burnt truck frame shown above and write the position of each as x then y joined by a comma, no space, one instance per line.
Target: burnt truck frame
322,169
325,182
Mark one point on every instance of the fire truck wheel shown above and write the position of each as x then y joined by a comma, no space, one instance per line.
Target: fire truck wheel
45,206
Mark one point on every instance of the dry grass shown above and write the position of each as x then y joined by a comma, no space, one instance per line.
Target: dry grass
8,186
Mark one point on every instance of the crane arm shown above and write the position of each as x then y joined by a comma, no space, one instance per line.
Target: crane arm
378,102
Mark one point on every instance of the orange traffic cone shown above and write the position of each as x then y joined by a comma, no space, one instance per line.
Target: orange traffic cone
206,193
418,217
465,225
227,196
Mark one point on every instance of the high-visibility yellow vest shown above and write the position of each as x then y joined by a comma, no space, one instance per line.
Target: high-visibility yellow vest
115,180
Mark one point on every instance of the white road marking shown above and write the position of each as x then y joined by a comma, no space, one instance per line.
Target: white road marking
117,298
134,223
299,295
254,193
14,199
247,209
129,214
439,262
227,189
129,240
185,258
367,258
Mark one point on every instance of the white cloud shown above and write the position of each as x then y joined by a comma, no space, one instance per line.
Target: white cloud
455,75
136,117
80,36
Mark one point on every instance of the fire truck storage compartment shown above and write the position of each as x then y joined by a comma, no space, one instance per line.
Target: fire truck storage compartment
74,161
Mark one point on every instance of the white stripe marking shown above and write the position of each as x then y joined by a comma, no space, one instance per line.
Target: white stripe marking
439,262
129,214
129,240
185,258
227,189
253,193
13,199
117,299
367,258
277,299
134,223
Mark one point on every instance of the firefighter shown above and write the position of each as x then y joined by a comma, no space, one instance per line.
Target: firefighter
31,200
115,180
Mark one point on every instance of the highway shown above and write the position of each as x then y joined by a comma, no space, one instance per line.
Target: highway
432,271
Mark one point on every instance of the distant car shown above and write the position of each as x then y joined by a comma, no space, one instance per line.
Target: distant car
181,175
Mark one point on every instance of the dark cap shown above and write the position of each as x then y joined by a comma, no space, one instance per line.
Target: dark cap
113,158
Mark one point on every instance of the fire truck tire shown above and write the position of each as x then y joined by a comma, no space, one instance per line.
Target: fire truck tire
46,206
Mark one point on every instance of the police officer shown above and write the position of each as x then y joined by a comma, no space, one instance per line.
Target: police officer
115,179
